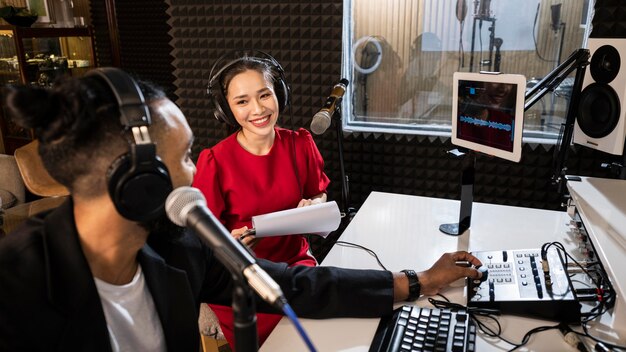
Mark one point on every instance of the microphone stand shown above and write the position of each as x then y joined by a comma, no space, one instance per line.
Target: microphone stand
347,211
244,314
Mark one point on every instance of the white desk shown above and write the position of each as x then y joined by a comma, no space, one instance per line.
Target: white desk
601,204
404,232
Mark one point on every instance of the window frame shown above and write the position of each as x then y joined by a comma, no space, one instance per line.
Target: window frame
427,130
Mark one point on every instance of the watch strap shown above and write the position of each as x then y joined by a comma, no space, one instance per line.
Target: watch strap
414,284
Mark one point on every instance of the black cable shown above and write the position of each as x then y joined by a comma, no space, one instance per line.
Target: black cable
535,39
480,41
527,336
559,245
485,313
461,49
607,296
369,251
588,335
442,296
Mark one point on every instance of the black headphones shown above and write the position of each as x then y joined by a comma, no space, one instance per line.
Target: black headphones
138,181
215,90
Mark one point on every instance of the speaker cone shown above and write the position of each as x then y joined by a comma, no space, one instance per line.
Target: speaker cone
598,110
605,64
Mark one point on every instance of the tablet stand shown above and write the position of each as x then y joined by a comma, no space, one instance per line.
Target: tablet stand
467,194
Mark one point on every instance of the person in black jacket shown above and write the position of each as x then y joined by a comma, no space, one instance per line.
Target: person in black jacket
107,270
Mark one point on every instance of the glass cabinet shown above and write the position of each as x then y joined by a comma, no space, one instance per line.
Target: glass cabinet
38,56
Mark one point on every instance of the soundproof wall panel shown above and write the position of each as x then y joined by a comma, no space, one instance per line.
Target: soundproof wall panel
609,19
143,39
304,37
102,42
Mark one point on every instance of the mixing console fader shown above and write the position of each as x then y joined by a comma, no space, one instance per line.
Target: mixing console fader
515,283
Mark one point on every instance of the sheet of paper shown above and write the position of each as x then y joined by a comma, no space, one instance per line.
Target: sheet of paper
319,219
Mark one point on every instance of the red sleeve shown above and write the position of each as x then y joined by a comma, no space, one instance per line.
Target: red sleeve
315,180
207,181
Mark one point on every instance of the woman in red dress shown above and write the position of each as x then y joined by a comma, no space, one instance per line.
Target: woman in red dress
261,168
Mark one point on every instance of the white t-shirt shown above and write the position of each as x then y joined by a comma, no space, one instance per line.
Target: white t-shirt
131,317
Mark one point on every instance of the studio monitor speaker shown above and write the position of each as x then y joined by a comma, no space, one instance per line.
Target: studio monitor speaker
601,119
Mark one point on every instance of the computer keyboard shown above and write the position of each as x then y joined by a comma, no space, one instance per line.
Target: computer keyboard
412,328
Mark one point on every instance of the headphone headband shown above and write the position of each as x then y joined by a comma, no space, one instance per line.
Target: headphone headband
133,109
215,90
138,181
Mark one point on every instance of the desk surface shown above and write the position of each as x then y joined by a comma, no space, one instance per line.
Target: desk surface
404,232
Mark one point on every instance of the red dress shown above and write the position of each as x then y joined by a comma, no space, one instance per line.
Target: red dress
238,185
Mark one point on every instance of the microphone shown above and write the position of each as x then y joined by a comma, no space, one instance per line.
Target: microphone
186,206
461,10
555,17
321,120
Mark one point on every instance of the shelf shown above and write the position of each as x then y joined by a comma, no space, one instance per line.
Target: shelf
38,56
43,32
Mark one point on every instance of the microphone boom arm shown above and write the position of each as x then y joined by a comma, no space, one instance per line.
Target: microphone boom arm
578,61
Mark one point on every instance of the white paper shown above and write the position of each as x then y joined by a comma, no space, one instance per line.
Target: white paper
319,219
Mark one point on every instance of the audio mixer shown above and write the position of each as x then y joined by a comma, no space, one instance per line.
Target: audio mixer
515,283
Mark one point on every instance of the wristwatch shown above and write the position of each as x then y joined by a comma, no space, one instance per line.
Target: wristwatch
414,285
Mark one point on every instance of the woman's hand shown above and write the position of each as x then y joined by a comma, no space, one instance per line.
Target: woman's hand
245,236
307,202
318,199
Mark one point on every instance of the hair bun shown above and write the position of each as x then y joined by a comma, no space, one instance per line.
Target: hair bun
20,101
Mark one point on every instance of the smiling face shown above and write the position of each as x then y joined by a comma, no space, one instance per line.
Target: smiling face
498,93
252,100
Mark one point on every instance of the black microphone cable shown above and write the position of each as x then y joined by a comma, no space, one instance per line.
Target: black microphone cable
535,38
604,295
479,315
369,251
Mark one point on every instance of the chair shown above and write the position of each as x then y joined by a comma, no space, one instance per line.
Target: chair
35,176
211,334
12,190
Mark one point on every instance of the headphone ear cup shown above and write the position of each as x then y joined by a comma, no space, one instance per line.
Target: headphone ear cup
221,110
281,89
139,192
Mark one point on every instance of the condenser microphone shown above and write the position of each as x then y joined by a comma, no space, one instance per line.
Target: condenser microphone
555,17
186,206
321,120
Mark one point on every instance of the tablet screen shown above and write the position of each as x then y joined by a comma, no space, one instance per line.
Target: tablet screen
488,112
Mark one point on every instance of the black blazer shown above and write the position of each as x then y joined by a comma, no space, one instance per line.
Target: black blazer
49,301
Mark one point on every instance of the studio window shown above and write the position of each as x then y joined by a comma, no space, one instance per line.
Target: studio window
400,55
